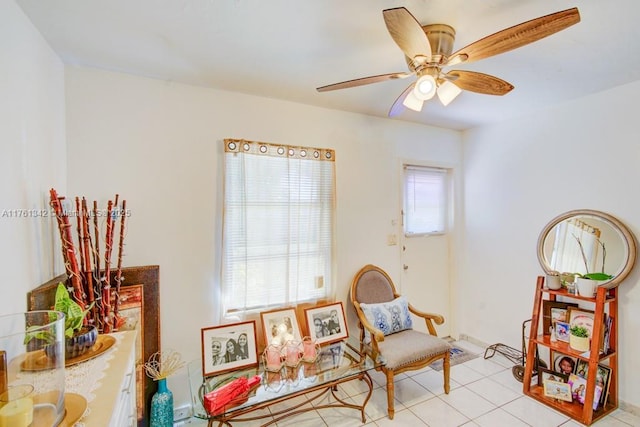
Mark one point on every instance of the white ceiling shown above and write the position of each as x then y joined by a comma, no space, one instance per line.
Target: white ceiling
286,48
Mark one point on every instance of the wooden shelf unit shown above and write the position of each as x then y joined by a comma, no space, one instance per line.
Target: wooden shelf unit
582,413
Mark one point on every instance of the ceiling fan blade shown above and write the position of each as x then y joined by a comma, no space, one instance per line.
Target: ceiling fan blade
363,81
397,106
478,82
516,36
408,34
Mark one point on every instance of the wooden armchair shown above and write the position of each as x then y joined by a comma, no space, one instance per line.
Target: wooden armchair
386,329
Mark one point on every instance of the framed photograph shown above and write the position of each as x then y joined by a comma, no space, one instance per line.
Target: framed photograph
603,378
578,387
562,331
549,375
280,326
563,363
557,390
326,323
551,309
228,347
581,317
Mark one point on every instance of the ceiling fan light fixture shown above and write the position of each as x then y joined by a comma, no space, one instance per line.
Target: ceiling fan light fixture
425,88
412,103
447,92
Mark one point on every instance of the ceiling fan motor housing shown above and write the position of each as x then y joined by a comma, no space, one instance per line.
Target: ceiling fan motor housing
441,38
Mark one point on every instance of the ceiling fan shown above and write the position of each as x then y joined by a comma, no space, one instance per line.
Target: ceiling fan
428,48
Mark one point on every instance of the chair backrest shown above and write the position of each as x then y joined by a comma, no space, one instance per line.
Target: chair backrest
372,285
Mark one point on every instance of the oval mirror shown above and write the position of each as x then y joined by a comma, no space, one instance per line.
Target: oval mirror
587,241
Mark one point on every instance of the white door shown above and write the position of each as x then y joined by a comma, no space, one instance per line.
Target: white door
425,276
425,257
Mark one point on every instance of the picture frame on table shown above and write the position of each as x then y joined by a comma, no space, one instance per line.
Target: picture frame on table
326,323
228,347
603,377
554,311
545,374
279,326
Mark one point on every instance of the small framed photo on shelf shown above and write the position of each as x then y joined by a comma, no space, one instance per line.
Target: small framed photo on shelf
280,326
228,347
579,390
550,375
557,390
563,363
562,331
603,378
554,311
581,317
326,323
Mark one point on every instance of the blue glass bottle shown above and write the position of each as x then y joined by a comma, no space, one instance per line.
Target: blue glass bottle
162,406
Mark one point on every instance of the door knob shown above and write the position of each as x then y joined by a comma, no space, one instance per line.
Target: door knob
405,267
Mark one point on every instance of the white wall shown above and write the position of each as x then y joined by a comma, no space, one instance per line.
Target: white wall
518,176
158,145
33,160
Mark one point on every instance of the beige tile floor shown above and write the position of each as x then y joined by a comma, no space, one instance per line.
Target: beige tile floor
483,393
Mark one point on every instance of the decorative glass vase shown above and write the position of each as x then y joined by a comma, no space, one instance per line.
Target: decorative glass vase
162,406
32,382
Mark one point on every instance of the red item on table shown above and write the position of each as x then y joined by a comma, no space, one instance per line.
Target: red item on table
229,394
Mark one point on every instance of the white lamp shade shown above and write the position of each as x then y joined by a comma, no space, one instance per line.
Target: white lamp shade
425,88
412,103
447,92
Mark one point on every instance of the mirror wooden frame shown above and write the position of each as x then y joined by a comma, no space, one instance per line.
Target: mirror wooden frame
626,236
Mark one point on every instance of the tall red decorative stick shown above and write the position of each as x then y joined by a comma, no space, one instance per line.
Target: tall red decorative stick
68,249
79,233
97,277
106,288
86,259
117,321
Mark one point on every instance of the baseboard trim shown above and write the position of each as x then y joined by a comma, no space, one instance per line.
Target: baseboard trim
628,407
472,340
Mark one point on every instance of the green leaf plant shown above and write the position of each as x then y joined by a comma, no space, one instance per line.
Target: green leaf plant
579,331
73,317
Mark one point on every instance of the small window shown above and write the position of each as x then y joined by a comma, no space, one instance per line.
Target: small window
425,200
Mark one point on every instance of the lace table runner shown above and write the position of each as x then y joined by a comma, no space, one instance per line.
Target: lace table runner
85,377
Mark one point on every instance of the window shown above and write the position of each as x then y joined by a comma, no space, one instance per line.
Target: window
424,200
279,210
575,247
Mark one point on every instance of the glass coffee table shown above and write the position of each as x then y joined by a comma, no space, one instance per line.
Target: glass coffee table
336,364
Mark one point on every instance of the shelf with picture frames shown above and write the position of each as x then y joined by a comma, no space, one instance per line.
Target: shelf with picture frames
580,384
591,401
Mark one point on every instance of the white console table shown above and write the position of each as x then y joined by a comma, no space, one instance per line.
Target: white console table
108,382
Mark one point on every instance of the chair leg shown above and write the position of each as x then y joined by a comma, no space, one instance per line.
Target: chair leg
446,365
390,394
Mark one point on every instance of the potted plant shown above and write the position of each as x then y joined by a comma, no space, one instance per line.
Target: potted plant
579,338
587,283
78,337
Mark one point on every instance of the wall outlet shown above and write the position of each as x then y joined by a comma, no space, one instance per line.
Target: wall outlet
182,412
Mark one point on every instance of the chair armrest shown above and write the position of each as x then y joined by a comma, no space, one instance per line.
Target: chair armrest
429,319
376,334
